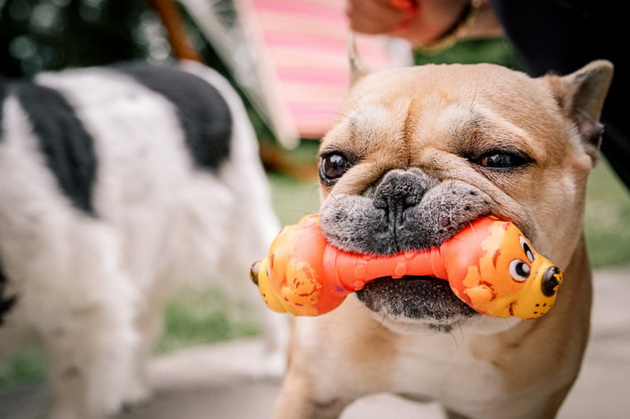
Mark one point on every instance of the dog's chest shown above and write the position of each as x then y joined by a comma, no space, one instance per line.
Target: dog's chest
444,367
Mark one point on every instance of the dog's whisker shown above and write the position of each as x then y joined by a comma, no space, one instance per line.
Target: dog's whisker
473,100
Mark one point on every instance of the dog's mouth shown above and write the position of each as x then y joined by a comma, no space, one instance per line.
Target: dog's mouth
406,210
424,299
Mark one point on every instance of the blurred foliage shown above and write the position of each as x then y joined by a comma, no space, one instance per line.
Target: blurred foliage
471,51
38,35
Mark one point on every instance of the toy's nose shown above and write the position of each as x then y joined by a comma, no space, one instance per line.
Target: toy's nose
550,281
253,272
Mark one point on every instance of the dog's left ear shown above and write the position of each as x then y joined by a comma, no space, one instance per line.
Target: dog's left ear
357,67
581,97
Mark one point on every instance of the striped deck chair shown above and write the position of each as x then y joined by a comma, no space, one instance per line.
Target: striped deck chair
289,57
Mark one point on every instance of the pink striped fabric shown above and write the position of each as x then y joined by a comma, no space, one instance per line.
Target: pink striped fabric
303,60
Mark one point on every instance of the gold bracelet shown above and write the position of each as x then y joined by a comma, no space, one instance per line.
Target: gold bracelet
456,31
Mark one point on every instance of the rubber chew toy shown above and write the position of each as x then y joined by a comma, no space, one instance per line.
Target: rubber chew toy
490,265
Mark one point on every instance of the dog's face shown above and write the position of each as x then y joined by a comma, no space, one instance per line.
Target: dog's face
418,153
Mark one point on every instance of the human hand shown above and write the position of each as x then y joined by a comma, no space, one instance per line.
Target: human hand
422,22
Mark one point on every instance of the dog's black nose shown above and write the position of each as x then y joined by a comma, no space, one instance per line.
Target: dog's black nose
550,281
399,191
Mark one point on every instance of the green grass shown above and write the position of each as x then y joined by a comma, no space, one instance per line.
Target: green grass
293,199
28,366
607,218
201,316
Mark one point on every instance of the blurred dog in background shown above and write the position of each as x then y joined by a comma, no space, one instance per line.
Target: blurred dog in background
117,185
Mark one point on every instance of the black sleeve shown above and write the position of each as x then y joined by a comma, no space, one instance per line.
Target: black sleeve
561,36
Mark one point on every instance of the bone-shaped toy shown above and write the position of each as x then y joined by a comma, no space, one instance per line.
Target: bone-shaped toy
490,265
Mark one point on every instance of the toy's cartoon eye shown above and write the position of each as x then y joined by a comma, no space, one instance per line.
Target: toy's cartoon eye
519,270
332,167
527,249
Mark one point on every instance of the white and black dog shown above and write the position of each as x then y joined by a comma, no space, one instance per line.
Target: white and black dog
116,184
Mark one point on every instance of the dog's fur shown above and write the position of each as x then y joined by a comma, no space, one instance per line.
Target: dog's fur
414,155
117,185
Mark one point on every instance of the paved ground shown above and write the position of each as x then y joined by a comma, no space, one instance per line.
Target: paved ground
215,382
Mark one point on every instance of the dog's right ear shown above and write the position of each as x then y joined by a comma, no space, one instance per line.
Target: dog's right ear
357,67
581,96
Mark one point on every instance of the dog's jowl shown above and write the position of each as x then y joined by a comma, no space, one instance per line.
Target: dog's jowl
116,185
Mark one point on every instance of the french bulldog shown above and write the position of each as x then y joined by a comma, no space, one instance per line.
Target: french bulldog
414,155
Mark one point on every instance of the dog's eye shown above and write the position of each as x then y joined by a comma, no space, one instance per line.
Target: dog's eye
519,270
332,167
502,160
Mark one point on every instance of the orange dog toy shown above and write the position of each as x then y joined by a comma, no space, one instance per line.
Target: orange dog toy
489,265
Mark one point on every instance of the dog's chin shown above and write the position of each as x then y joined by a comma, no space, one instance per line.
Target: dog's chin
414,303
419,304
